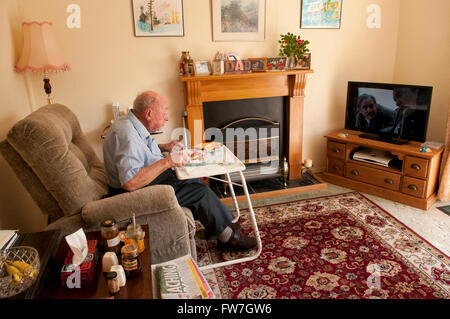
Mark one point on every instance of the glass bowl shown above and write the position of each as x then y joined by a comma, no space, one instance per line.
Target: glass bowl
10,287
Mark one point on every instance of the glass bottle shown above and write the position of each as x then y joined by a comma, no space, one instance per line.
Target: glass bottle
131,261
110,236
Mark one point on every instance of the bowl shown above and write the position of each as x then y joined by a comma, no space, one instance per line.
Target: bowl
10,287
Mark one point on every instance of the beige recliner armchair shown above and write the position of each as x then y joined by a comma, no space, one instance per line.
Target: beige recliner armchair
51,156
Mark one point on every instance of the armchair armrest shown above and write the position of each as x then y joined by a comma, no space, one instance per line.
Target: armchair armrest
144,201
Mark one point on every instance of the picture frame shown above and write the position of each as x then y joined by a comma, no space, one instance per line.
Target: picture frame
258,64
304,63
165,20
276,64
320,14
238,20
202,68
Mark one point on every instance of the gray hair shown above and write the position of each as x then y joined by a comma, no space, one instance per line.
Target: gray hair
146,100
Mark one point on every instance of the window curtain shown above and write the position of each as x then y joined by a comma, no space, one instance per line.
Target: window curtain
444,186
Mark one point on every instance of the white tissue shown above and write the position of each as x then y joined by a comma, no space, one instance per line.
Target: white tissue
78,244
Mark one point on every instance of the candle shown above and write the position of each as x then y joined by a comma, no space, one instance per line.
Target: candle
308,163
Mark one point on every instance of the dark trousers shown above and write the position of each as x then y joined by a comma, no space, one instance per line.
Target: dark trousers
200,199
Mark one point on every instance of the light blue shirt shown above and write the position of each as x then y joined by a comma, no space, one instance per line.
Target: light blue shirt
127,148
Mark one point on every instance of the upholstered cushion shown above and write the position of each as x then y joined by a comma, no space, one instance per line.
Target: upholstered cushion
51,142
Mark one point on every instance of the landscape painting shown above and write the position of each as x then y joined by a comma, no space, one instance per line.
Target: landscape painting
158,18
238,20
321,14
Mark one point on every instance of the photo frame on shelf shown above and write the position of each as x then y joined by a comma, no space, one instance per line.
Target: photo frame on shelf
320,14
258,64
276,64
158,18
202,68
303,63
238,20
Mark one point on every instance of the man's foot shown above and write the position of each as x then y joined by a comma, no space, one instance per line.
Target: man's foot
239,241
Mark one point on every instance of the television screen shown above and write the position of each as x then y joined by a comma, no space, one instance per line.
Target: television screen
391,112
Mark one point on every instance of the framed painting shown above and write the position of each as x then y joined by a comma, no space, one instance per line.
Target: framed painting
321,14
238,20
158,18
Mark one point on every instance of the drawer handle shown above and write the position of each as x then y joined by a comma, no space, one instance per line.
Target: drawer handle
413,187
355,172
336,150
388,181
416,167
337,167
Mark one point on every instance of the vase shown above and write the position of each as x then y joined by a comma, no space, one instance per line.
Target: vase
290,63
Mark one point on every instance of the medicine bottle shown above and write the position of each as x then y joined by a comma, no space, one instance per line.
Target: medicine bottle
110,236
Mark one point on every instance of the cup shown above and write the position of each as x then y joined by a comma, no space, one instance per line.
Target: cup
135,233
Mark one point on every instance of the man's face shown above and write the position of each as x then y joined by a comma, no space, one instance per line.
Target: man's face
368,109
404,97
158,116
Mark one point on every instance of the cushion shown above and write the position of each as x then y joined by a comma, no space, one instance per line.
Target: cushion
51,142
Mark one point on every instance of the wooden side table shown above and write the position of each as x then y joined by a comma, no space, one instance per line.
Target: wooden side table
139,287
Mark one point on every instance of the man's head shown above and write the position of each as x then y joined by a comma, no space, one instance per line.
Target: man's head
405,97
151,109
367,106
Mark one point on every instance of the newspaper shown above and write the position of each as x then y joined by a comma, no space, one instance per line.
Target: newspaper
180,279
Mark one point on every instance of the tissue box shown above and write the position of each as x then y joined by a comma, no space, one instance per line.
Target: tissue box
87,267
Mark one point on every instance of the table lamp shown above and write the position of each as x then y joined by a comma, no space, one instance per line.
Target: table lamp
40,52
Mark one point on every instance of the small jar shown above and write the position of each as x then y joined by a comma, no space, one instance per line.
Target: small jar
137,234
113,282
131,261
110,236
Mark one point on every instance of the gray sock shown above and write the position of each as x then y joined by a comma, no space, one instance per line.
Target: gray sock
225,235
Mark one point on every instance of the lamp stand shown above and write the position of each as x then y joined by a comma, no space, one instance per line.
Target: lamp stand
47,88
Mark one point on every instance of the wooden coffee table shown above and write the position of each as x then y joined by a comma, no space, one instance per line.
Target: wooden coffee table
139,287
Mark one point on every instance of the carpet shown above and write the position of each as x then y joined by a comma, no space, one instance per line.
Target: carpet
342,247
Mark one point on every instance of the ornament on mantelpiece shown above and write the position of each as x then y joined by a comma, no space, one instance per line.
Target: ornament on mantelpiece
218,64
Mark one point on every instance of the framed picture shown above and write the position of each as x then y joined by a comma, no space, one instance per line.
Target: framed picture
238,20
304,63
276,64
202,68
321,14
258,64
158,18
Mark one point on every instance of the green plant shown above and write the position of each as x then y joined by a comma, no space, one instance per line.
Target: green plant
292,45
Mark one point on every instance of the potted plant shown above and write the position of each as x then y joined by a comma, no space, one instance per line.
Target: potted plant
293,47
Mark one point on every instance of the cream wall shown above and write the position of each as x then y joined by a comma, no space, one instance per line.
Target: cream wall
423,55
110,64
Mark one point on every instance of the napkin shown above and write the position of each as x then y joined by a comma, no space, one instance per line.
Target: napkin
78,244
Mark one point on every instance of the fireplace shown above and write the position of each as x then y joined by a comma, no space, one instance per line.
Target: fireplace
253,129
220,91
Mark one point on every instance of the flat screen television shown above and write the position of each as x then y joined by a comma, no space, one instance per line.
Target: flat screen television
394,113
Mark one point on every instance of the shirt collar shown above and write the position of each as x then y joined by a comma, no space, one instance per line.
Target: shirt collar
140,128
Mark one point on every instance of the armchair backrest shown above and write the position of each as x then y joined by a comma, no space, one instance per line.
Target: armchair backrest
52,158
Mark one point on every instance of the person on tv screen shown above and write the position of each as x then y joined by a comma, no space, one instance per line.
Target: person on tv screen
370,116
411,113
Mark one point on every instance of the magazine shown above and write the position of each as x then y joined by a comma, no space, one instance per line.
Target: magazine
181,279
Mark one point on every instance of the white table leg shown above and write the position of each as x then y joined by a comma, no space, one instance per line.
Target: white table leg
255,225
236,205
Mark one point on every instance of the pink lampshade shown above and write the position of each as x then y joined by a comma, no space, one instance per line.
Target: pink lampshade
40,50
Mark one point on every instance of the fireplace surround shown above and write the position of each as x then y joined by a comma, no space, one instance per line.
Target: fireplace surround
290,85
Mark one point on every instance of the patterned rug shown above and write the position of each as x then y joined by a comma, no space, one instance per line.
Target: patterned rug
342,246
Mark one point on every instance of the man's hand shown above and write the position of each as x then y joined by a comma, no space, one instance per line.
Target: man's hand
173,146
179,159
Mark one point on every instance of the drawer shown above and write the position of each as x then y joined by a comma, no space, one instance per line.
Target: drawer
413,186
336,150
373,176
416,167
335,166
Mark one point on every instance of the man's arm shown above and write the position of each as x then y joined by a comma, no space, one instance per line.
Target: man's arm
147,174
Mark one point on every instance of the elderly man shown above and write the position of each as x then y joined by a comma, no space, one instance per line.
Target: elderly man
134,160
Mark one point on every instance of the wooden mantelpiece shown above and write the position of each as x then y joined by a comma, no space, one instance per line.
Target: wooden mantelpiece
199,89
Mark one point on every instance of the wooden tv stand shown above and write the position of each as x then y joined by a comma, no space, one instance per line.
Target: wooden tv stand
412,180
